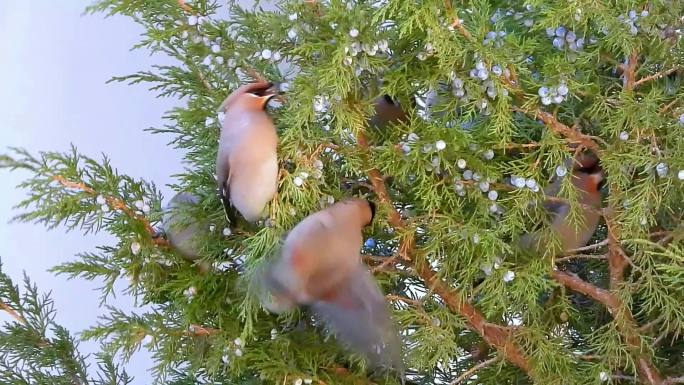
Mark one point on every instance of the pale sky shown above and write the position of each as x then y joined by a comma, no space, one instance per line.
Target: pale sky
53,66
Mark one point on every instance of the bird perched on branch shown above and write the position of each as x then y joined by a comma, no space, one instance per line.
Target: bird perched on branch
320,266
184,236
587,177
247,162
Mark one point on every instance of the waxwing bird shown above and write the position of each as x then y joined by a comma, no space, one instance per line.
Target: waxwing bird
247,162
320,266
184,234
387,111
587,177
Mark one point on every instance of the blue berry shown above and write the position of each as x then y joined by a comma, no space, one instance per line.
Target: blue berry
558,42
561,31
370,243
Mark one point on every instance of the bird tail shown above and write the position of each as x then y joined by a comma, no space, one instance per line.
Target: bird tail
228,210
360,302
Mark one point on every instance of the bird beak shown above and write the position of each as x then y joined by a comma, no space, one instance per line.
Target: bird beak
267,95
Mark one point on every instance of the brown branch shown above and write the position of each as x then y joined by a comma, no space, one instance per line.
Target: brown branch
12,312
457,23
656,75
574,134
630,71
628,327
197,330
617,260
115,203
470,372
495,335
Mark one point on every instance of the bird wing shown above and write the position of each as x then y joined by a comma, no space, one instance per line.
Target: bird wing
358,315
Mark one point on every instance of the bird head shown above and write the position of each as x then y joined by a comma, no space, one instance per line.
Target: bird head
250,96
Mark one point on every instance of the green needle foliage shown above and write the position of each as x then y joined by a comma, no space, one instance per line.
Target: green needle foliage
496,92
36,350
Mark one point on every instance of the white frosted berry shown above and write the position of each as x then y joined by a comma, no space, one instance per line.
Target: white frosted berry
238,352
440,145
484,186
681,119
227,231
298,181
459,186
493,195
494,208
274,334
476,238
603,376
266,54
561,170
530,183
192,20
488,155
212,228
232,63
543,91
563,89
662,169
487,269
100,200
468,174
135,248
225,359
298,381
680,174
624,135
215,48
509,276
354,32
518,182
238,341
190,292
292,34
546,100
104,208
293,16
461,163
477,177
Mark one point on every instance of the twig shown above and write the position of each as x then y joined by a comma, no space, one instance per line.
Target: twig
581,256
116,204
623,377
656,75
555,125
630,71
628,327
457,23
12,313
588,247
617,260
197,330
470,372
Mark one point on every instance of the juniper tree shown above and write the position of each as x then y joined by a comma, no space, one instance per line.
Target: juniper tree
499,96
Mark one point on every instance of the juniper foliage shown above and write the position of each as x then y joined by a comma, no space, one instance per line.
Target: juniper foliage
495,91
